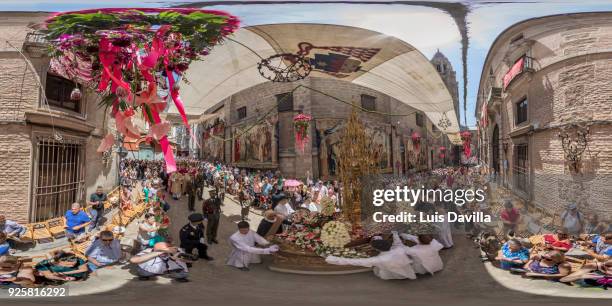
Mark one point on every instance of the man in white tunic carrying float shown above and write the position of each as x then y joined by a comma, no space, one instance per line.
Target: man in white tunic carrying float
244,251
398,261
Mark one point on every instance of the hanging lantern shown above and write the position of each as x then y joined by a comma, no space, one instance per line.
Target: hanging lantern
441,155
444,122
301,122
466,137
416,140
76,94
442,148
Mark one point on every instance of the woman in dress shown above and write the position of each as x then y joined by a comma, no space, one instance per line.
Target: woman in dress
549,265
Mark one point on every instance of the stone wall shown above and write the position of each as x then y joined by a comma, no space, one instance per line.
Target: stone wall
22,115
15,153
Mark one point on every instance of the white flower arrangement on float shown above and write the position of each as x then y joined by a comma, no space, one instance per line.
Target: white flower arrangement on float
328,207
335,234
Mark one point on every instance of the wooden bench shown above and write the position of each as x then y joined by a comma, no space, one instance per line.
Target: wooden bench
56,227
80,246
40,232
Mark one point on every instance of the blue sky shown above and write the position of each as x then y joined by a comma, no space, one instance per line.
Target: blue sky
427,29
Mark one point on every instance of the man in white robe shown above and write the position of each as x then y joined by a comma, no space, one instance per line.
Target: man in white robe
425,254
392,262
244,251
444,234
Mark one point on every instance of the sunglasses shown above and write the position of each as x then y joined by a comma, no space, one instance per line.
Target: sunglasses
107,240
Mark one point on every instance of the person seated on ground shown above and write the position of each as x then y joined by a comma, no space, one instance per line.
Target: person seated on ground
600,247
4,245
146,190
147,231
13,272
162,219
103,251
62,267
559,241
391,263
76,221
126,198
512,255
159,200
244,251
425,254
593,226
549,265
192,236
13,230
510,217
592,274
280,205
161,260
267,223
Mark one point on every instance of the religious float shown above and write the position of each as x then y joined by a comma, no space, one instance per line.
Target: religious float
316,235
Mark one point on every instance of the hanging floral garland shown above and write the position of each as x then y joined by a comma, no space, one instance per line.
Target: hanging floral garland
466,137
416,140
301,122
131,55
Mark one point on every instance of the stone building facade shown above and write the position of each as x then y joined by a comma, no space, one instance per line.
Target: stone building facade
391,135
48,150
542,78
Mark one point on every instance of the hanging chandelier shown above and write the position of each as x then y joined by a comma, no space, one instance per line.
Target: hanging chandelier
444,122
284,68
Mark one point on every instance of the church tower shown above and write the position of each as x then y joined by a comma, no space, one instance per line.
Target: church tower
446,71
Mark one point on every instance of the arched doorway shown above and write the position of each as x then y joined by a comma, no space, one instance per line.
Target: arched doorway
495,147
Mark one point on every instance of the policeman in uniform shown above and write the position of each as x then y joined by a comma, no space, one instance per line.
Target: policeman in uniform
192,236
212,211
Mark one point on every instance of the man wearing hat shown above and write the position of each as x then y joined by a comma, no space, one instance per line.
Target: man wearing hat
192,236
212,212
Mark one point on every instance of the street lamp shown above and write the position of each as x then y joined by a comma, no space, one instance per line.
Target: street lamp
122,152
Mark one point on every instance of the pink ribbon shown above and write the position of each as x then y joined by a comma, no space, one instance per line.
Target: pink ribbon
179,103
106,143
168,155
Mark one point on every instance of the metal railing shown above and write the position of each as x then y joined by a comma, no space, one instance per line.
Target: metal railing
60,177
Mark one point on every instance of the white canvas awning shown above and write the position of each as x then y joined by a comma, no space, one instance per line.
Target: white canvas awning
367,58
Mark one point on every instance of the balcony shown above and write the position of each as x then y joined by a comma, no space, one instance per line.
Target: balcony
521,66
494,95
36,44
35,39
